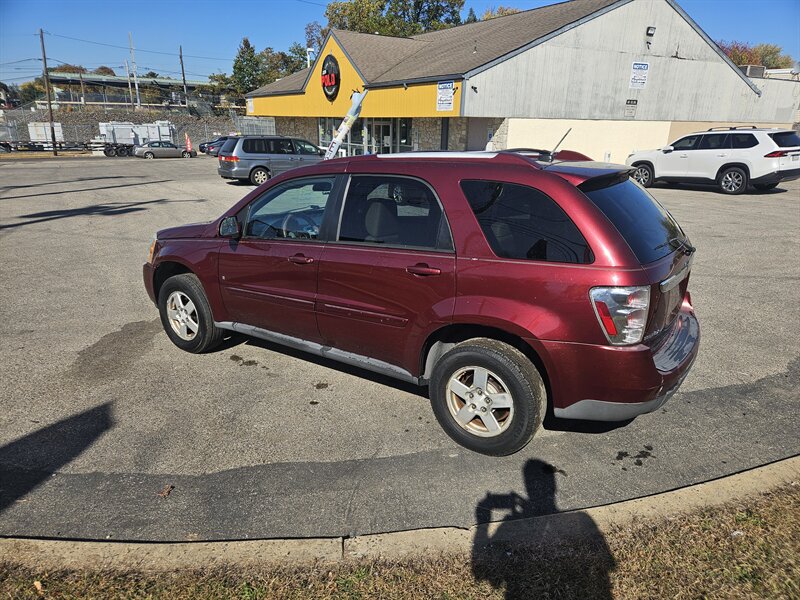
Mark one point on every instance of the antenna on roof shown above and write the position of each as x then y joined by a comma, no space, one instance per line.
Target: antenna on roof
553,151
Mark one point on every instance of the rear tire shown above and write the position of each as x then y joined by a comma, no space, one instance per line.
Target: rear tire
186,315
122,151
149,155
488,396
732,180
110,152
259,175
186,154
644,175
763,187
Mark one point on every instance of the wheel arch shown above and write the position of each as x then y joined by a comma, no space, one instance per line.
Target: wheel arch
739,165
164,271
265,167
443,339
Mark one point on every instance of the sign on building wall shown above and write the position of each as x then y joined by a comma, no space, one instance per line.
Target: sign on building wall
630,108
251,107
639,72
445,92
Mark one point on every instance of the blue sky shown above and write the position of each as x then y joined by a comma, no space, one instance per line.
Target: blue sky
210,30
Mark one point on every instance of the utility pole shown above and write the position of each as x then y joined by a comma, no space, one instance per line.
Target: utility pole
130,89
183,74
83,91
47,87
133,65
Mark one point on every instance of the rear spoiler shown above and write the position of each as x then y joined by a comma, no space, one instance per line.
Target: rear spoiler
604,181
590,175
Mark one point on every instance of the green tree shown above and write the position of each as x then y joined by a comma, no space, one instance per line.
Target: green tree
31,90
68,68
151,75
295,58
500,11
471,16
767,55
220,83
772,56
393,17
315,35
246,68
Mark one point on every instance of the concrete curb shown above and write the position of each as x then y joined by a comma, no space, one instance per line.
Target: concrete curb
561,527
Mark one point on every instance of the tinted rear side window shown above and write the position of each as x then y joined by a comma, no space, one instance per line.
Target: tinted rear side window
713,141
279,146
522,222
255,146
742,140
229,145
647,227
786,139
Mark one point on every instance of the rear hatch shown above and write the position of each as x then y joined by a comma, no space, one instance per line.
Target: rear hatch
788,151
655,238
225,156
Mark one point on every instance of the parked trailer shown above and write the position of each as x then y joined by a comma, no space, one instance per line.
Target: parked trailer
117,138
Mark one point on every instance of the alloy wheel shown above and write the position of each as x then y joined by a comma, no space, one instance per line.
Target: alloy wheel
642,175
732,181
479,401
182,315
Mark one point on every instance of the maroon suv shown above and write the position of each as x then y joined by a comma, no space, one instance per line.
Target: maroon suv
500,282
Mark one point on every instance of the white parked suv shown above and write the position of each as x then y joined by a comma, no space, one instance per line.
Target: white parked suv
731,157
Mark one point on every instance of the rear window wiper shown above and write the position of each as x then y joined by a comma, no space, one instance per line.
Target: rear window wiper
679,244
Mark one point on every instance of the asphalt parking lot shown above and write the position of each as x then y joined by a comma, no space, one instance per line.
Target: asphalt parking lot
110,432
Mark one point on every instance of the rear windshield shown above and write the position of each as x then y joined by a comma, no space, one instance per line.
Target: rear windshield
786,139
229,145
647,227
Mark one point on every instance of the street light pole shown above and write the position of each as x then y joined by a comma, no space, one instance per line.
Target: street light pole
47,87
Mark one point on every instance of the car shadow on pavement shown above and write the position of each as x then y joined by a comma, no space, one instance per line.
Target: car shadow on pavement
32,459
94,189
713,188
105,210
532,559
328,363
64,182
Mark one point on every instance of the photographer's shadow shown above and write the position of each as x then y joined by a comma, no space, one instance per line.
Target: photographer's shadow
535,558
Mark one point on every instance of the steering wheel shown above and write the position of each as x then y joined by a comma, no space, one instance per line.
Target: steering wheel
311,225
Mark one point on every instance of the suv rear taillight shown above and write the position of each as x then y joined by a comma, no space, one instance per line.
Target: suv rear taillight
229,159
777,154
622,312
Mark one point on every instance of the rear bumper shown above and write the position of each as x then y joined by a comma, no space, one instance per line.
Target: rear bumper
607,383
778,176
234,173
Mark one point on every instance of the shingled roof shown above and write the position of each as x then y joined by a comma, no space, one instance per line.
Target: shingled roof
453,52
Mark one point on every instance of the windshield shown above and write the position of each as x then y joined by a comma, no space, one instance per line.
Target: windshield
650,231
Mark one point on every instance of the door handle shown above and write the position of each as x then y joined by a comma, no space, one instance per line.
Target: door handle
299,259
683,156
423,270
722,155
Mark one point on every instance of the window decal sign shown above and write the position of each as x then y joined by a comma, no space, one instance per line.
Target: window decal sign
445,92
330,77
639,71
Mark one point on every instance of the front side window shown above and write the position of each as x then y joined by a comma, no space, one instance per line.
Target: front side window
292,210
304,147
524,223
687,143
393,211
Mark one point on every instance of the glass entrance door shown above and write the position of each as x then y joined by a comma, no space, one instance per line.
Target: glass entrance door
381,137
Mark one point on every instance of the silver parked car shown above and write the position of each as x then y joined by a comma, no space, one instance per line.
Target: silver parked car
256,158
163,150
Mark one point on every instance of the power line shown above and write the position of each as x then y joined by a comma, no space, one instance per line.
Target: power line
14,62
66,37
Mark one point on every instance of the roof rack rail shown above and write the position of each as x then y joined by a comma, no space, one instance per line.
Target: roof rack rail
732,128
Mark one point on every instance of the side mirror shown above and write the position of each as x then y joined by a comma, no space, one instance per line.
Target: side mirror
229,228
322,152
667,149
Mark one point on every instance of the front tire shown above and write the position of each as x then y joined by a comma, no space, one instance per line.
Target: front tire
732,180
644,175
258,176
149,155
186,315
186,154
488,396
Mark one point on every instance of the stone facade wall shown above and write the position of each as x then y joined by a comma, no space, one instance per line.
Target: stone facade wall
457,133
427,133
306,128
500,139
